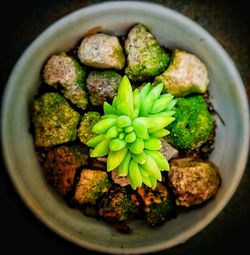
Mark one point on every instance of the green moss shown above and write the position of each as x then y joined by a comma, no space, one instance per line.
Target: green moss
76,92
88,121
100,186
117,206
146,58
193,123
160,61
119,55
91,186
81,74
54,121
107,75
157,214
149,66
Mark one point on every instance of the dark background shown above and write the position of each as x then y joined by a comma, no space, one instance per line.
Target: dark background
227,21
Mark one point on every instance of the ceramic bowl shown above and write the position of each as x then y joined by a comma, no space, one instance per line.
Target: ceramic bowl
172,30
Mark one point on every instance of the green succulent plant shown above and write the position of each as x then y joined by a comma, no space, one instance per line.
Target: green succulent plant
129,133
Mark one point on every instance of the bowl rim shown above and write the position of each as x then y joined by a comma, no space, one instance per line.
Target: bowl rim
93,8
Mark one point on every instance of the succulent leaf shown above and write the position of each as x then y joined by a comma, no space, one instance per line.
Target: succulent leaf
152,144
116,144
129,133
161,103
137,146
112,132
125,101
95,140
134,174
108,109
115,158
159,159
123,167
139,158
160,133
103,125
102,149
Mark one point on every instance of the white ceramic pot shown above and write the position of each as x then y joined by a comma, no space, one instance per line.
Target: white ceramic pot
172,30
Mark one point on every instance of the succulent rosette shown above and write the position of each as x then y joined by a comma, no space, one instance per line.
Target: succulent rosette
129,133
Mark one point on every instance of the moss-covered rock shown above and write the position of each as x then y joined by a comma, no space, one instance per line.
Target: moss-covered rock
54,121
145,57
185,75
